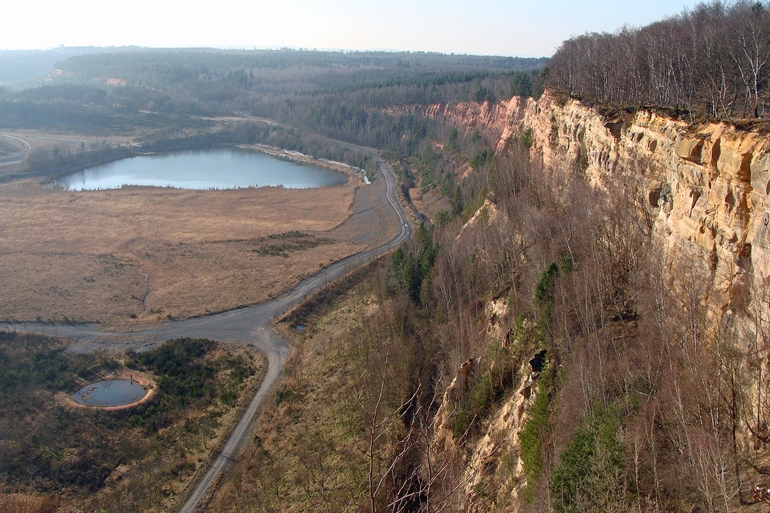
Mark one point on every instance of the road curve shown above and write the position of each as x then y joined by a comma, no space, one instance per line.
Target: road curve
250,325
16,157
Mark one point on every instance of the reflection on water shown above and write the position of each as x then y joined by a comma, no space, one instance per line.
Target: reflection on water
115,392
210,169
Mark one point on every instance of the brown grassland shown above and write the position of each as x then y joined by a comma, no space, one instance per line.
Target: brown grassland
10,146
139,254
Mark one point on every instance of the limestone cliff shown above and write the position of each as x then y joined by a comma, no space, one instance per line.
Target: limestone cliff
704,189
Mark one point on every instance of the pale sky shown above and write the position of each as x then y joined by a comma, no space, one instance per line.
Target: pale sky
527,28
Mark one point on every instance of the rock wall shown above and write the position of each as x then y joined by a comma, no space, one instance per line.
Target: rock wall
705,189
493,474
488,118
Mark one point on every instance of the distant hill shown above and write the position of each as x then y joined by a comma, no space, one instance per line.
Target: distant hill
21,69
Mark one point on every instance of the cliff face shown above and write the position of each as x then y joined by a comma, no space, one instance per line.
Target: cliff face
702,194
491,119
704,190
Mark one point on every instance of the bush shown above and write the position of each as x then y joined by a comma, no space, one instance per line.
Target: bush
482,157
544,288
526,139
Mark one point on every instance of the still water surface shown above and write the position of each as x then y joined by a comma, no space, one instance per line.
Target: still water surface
115,392
209,169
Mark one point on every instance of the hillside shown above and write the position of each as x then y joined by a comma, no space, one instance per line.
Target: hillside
589,333
675,351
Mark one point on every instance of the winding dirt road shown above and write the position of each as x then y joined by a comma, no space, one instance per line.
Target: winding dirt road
250,325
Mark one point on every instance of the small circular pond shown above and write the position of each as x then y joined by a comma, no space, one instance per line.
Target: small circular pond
114,392
228,168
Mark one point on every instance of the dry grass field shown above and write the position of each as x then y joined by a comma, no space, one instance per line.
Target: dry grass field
10,146
142,255
301,465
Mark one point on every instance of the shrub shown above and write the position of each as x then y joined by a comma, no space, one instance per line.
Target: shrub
526,139
544,288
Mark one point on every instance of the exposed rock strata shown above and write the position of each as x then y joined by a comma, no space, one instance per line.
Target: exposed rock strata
705,189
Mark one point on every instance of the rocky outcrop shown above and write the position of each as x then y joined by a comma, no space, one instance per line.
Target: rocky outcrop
704,189
491,463
454,394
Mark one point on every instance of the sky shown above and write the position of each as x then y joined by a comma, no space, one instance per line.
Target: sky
526,28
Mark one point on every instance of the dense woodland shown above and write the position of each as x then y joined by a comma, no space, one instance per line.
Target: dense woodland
714,59
335,94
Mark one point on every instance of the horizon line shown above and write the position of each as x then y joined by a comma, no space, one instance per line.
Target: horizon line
249,48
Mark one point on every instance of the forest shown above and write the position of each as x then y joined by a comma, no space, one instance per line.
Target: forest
313,90
713,60
310,97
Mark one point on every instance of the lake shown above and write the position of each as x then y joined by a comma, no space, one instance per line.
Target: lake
209,169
